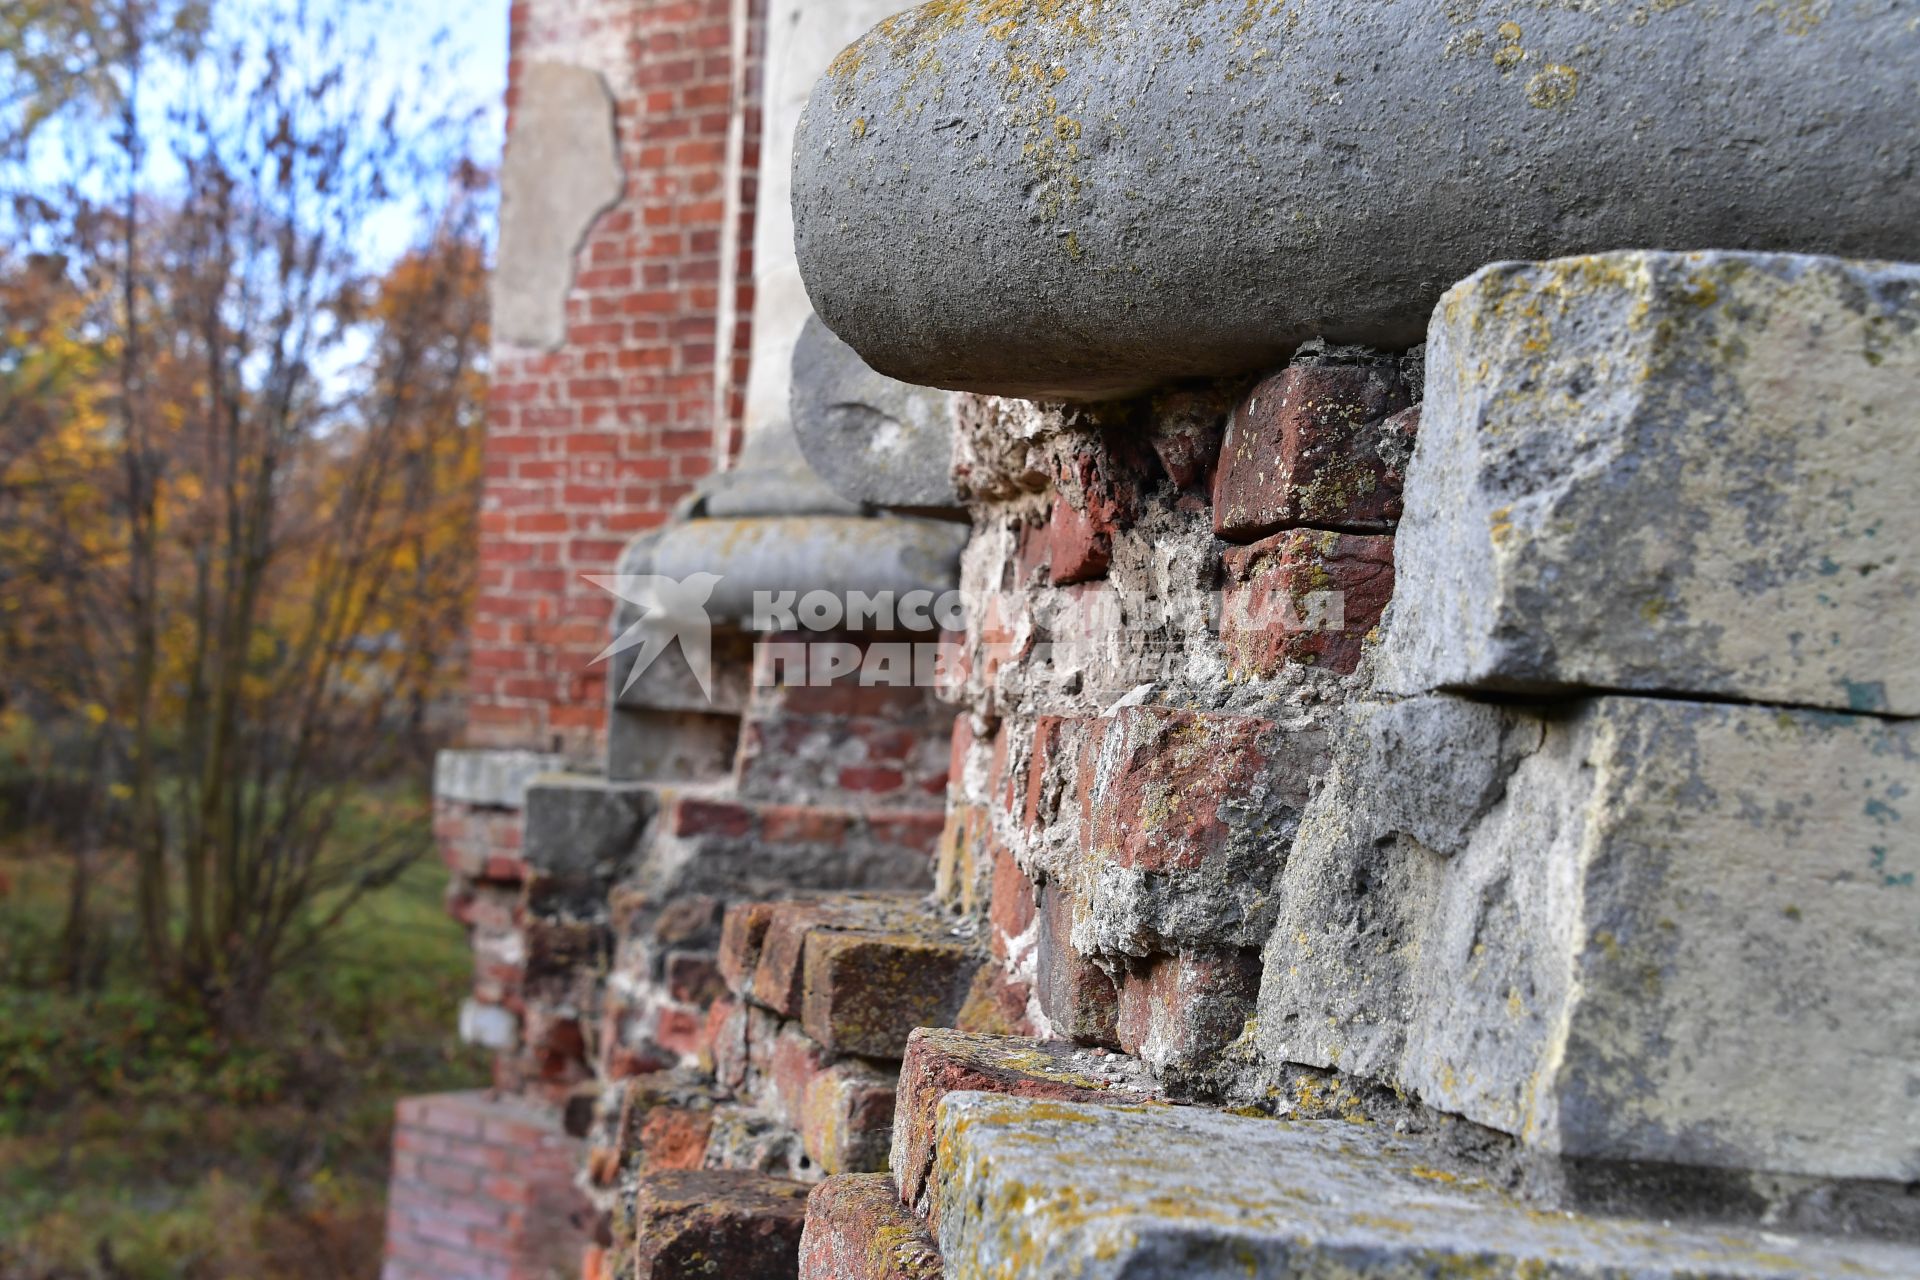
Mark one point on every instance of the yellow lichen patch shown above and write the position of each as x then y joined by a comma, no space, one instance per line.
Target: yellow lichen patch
860,127
1796,17
1250,18
1555,86
1700,291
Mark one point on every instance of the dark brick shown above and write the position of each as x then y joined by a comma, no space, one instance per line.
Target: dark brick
1312,447
1075,994
693,978
705,1223
742,934
866,991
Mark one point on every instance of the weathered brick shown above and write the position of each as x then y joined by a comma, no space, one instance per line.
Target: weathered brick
696,816
689,920
777,975
997,1004
1186,431
1304,597
1311,447
794,1060
1049,732
683,1092
702,1223
674,1138
960,746
556,950
740,1044
1094,502
864,992
693,977
1179,1012
1076,995
1013,908
1169,775
777,978
1079,546
742,933
846,1117
857,1230
940,1062
964,849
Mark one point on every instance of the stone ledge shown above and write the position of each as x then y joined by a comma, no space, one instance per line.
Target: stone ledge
490,779
1668,473
1202,1195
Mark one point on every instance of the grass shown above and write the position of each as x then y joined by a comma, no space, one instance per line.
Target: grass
137,1144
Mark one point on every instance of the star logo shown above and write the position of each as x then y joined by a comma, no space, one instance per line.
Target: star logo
671,609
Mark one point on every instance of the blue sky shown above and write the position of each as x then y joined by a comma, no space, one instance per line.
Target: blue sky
467,71
477,48
475,66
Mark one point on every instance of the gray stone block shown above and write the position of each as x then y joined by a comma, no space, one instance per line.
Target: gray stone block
584,830
671,746
798,555
562,170
489,778
667,683
1630,930
1689,473
772,478
1029,1189
873,438
1086,199
490,1026
802,37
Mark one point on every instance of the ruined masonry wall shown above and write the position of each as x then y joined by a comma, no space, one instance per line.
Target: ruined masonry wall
1552,970
1170,601
595,434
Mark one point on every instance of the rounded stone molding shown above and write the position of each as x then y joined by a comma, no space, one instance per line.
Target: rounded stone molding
1081,199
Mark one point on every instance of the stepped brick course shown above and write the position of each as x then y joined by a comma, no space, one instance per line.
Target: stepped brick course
940,1062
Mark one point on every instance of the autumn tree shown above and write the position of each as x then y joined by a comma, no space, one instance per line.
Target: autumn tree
240,462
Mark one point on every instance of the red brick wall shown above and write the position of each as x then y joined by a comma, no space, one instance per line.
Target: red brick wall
482,1189
596,441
